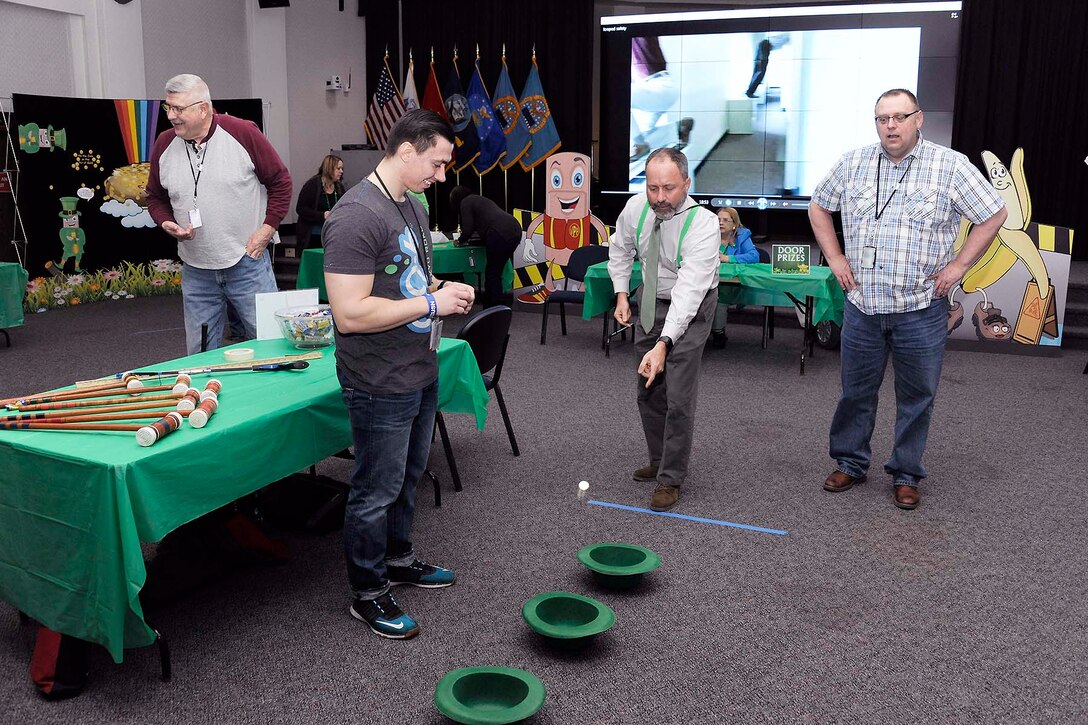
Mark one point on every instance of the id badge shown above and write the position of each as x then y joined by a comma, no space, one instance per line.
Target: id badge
868,257
436,332
194,219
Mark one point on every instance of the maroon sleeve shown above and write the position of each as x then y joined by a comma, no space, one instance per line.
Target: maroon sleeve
271,171
158,198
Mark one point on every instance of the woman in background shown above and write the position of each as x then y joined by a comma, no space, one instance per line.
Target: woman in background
315,200
737,247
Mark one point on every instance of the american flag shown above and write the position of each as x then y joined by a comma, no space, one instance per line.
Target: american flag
386,106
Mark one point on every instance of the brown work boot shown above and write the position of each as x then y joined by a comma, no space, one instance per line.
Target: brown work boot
839,481
907,497
647,473
665,497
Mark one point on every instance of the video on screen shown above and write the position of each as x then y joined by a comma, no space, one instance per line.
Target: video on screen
766,113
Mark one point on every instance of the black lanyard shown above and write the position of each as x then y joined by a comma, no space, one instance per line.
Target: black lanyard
422,257
199,165
879,158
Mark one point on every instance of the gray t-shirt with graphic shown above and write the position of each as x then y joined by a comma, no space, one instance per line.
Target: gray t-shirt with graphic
366,234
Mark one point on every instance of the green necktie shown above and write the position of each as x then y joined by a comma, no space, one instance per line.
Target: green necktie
649,278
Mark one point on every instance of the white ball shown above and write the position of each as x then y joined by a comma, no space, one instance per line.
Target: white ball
583,485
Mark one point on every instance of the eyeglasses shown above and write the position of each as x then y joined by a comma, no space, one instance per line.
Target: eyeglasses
899,117
178,109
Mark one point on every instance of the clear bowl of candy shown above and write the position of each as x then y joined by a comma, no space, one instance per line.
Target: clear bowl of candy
306,326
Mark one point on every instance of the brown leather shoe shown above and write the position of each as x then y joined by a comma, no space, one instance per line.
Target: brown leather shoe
839,481
646,473
664,498
907,497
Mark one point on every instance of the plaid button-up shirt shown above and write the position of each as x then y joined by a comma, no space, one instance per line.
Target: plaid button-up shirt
921,201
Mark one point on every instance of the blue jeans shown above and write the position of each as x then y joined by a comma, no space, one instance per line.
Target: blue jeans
915,341
205,293
391,433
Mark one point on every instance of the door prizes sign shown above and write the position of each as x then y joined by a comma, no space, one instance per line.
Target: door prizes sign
790,258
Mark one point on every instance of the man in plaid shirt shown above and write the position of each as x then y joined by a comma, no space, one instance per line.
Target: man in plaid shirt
901,201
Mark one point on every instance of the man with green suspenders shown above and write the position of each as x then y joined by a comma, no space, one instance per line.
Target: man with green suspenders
677,243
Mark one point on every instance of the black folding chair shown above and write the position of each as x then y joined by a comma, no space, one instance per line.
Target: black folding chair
581,259
487,332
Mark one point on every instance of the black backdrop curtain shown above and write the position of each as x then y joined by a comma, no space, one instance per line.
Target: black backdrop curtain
1023,81
562,33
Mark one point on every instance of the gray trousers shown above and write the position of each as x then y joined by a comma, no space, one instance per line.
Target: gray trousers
668,406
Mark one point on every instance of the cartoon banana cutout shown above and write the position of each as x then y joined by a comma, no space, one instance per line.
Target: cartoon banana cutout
992,266
1012,242
994,262
1013,191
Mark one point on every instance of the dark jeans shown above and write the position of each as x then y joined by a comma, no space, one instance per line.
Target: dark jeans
499,251
391,433
915,340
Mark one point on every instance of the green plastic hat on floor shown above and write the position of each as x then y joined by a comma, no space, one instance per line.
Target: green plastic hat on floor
489,695
616,565
570,618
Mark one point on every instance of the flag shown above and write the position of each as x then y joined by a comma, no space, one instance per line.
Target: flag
432,97
538,117
411,97
467,144
386,106
488,130
512,123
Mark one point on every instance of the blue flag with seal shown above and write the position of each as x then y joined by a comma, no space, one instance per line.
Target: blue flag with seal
507,112
488,130
538,117
466,145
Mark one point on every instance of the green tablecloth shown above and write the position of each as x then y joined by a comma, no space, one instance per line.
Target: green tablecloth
74,507
748,284
448,259
12,287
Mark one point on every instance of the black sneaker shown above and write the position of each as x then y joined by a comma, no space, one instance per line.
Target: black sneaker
420,574
384,617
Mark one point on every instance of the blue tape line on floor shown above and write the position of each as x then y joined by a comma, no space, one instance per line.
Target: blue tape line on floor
606,504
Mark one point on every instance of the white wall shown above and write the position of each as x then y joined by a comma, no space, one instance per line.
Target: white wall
71,48
322,42
205,37
28,65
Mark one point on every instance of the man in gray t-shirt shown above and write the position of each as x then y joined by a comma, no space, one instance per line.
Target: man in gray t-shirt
385,303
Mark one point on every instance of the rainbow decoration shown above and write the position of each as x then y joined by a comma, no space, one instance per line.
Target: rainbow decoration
139,122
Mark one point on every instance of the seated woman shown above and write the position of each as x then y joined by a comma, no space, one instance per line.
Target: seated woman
315,200
736,246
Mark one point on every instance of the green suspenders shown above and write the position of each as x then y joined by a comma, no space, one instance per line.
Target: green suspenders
683,231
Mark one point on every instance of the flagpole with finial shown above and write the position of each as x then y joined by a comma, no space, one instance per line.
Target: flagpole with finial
532,172
505,171
457,173
436,185
479,175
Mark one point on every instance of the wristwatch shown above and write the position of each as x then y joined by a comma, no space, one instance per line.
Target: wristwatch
668,343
